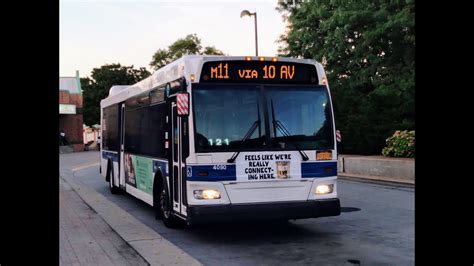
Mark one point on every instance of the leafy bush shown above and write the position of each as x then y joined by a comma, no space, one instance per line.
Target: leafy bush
401,144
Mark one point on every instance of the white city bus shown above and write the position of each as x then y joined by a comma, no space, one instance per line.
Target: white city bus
212,138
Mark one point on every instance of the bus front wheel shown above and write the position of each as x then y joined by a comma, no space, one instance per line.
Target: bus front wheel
166,214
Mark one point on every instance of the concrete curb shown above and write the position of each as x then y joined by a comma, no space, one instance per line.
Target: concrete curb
154,248
377,168
364,178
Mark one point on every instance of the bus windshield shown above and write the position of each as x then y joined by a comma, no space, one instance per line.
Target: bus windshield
232,118
300,117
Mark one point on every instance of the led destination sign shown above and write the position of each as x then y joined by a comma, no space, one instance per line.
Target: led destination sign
258,72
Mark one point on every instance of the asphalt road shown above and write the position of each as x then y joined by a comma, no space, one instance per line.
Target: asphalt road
376,227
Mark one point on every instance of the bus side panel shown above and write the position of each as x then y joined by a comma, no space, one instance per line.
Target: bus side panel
146,132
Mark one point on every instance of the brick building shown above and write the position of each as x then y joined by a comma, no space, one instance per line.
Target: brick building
70,110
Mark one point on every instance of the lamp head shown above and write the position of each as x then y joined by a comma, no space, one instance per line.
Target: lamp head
245,13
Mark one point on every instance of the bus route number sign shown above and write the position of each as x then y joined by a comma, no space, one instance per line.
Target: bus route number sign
258,71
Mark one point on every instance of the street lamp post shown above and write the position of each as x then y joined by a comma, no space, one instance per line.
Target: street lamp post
247,13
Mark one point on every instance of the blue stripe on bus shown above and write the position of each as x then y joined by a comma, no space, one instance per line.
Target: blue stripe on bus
318,169
160,164
228,174
110,155
308,170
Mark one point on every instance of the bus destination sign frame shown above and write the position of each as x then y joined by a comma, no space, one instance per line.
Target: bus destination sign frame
243,71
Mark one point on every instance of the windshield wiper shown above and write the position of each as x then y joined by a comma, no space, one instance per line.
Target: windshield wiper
278,124
249,133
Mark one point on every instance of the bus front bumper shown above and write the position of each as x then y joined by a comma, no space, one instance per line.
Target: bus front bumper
280,210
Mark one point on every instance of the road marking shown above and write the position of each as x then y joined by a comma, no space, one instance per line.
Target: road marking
85,166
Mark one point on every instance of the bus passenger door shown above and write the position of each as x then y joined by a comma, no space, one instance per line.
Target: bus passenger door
176,176
122,138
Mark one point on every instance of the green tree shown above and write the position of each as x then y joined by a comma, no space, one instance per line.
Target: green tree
191,44
97,87
368,50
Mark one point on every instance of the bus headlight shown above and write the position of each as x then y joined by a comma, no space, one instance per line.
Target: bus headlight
324,189
207,194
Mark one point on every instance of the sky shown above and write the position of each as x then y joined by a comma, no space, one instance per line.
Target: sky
98,32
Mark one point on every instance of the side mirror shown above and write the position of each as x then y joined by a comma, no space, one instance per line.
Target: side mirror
182,103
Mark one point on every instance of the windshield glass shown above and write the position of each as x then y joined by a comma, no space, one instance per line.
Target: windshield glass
224,115
300,117
232,118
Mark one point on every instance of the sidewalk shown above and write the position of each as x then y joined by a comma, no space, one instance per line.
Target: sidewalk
85,239
118,232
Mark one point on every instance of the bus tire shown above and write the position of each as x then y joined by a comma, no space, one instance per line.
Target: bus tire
110,174
166,212
157,188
